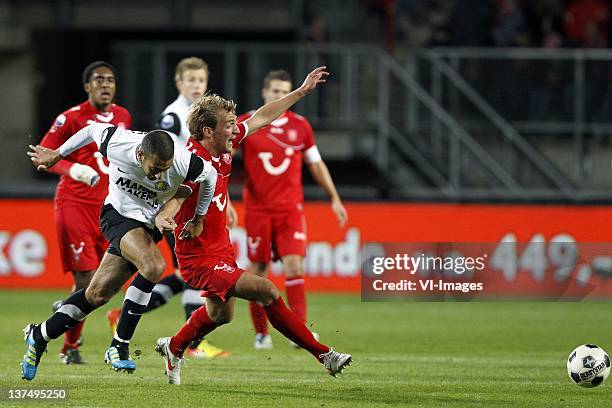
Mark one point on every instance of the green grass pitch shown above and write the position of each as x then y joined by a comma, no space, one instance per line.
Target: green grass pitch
471,354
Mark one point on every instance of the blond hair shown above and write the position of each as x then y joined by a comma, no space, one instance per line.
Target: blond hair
191,63
204,112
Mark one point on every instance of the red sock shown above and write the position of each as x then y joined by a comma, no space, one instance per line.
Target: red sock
286,322
296,296
73,335
258,316
198,325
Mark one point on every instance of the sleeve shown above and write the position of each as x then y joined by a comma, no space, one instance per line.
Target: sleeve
55,136
243,132
170,122
96,132
198,169
312,155
207,190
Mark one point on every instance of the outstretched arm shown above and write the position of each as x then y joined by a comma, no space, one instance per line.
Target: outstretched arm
43,157
267,113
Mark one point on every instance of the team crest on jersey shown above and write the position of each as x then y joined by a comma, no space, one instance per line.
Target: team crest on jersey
161,185
59,122
227,158
167,122
292,134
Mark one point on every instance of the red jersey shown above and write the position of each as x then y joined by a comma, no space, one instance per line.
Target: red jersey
273,162
214,241
70,191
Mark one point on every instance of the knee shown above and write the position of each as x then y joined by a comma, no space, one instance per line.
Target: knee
268,293
97,296
258,268
222,316
82,279
153,268
293,268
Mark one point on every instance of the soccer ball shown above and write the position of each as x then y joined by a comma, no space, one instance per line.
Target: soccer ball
588,365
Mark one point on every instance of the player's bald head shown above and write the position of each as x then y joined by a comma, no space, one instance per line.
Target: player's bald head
158,143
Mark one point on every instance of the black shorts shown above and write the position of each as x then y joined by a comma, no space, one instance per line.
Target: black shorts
114,226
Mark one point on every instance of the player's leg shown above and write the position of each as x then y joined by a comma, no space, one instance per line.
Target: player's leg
113,272
139,248
294,284
162,292
69,353
257,289
204,320
199,347
289,231
290,244
78,233
263,340
169,286
259,238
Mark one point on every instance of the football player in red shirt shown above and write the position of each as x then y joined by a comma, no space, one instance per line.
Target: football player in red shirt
207,261
274,200
83,186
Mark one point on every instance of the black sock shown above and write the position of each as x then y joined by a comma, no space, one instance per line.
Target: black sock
163,291
136,300
189,309
191,300
73,310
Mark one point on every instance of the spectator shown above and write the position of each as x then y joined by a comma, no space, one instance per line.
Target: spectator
510,27
586,23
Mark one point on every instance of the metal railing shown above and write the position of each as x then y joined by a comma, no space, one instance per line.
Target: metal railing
237,71
538,91
426,127
511,138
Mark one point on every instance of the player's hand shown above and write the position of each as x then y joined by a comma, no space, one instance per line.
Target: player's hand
192,229
43,157
340,212
84,174
316,77
232,216
166,225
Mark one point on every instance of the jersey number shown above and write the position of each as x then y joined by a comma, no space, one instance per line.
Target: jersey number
100,160
217,200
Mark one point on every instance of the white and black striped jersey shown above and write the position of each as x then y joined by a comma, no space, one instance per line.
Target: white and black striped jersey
131,193
174,119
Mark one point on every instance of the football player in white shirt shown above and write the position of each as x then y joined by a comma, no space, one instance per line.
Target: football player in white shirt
146,170
191,79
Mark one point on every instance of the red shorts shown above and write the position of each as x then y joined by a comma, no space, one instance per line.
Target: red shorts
214,278
82,244
283,232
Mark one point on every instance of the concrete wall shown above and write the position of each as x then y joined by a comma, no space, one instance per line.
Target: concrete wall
17,83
